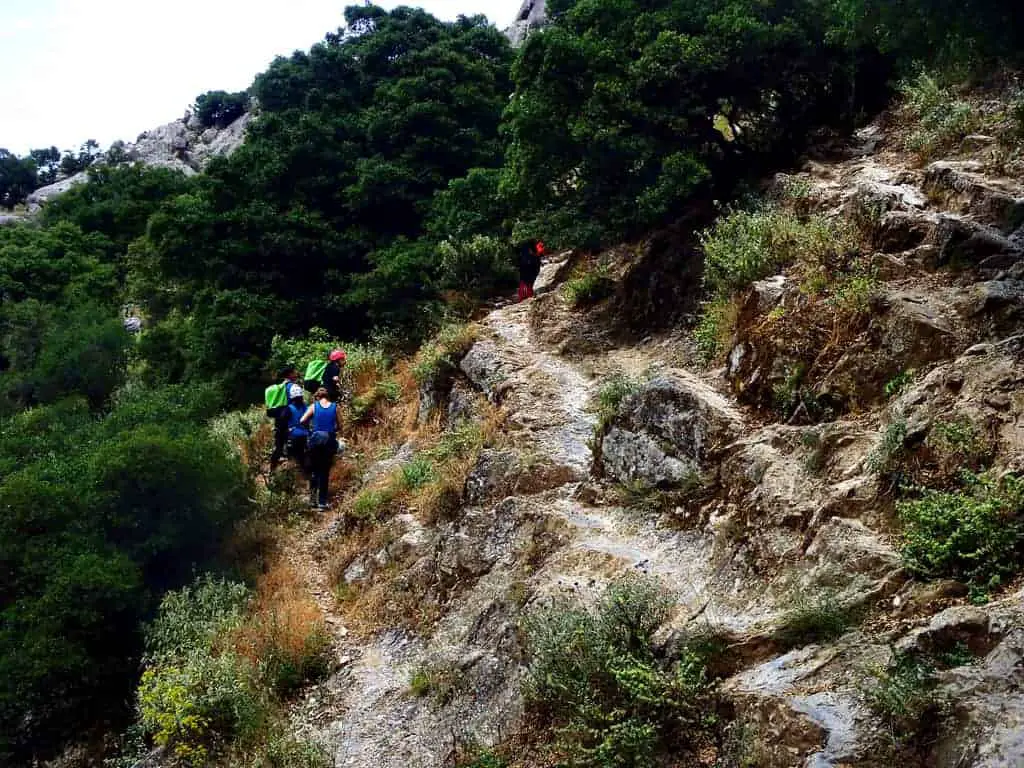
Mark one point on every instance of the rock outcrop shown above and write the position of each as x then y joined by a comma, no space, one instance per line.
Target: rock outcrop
532,15
182,145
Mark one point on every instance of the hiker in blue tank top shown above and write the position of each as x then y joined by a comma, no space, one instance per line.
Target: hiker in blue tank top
324,418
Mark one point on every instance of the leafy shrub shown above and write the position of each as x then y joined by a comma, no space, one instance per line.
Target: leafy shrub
371,502
887,454
590,287
960,444
898,383
458,443
193,705
387,391
483,759
193,694
852,293
480,264
417,473
191,618
973,534
443,352
715,327
440,681
905,696
943,120
595,673
610,395
744,246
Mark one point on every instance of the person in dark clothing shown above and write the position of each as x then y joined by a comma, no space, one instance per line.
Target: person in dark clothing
331,380
530,252
289,391
298,434
324,418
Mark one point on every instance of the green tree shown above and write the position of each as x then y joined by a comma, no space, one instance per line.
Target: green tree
47,164
220,108
17,178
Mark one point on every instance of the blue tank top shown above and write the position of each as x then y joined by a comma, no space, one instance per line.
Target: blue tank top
325,419
295,426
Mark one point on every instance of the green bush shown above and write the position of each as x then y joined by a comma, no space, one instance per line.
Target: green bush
458,443
191,618
443,353
590,287
715,327
887,455
481,265
744,246
961,444
898,383
595,673
417,473
904,695
974,534
610,395
942,120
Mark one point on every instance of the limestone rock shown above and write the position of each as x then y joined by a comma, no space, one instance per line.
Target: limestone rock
532,15
384,467
483,366
42,195
667,431
493,475
182,145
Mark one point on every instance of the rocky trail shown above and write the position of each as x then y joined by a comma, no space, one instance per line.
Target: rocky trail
783,513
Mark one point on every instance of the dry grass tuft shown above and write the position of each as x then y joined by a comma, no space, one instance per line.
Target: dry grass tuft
285,633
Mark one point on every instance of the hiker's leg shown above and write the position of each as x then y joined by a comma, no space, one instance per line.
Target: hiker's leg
280,438
323,479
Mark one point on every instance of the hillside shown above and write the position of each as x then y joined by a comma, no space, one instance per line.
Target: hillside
780,541
740,486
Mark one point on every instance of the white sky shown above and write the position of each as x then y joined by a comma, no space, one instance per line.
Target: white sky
72,70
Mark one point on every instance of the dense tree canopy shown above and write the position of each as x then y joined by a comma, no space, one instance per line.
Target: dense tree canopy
315,219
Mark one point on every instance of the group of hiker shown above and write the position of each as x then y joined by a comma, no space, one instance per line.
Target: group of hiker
308,434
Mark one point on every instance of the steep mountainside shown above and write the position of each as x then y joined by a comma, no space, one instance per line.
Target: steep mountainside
762,531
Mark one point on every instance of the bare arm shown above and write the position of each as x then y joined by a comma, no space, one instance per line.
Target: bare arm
307,415
338,418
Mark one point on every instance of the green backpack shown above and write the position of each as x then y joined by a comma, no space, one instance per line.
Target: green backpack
276,395
314,374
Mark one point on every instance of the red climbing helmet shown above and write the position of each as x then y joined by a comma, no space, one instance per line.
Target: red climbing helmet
337,355
540,247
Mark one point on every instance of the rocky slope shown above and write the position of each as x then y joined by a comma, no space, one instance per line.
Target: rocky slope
183,145
761,515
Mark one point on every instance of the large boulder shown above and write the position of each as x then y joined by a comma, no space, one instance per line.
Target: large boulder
667,433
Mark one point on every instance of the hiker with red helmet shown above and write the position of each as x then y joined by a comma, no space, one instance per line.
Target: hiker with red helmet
530,253
331,380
